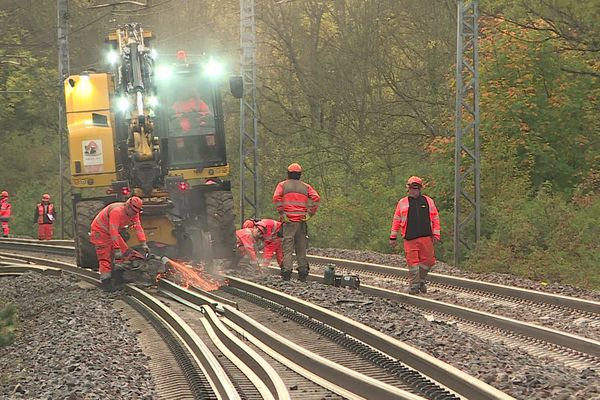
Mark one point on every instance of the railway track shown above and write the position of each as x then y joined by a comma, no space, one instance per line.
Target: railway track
253,375
573,350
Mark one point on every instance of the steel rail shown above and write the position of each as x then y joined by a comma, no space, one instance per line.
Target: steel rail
451,377
574,342
66,248
503,290
260,373
577,343
203,359
36,246
347,382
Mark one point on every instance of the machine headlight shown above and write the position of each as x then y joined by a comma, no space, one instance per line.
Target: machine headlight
214,69
123,104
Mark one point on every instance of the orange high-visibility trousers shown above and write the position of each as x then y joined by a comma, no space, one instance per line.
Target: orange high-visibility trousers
45,231
273,247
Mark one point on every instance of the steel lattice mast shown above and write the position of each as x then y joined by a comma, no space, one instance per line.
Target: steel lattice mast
65,207
467,203
249,196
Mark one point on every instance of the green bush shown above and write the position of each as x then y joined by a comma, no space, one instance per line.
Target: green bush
544,238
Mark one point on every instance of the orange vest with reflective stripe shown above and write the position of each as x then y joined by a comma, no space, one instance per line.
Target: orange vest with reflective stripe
40,207
401,216
295,199
273,228
4,209
105,227
245,239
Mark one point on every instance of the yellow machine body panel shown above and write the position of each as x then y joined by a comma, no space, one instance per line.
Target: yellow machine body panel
208,172
158,228
91,136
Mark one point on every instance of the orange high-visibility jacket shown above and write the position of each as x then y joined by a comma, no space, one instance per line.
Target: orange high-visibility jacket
40,218
108,222
295,199
245,241
273,228
401,216
4,209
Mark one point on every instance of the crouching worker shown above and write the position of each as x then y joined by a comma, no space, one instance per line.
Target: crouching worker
273,245
247,244
109,244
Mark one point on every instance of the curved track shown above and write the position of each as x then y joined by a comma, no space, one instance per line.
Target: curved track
342,381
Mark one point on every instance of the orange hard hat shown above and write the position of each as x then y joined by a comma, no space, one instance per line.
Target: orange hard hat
46,197
248,224
415,180
294,167
4,193
261,227
135,203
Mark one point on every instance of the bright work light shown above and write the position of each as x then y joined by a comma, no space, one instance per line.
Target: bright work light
213,69
163,72
123,104
112,57
152,101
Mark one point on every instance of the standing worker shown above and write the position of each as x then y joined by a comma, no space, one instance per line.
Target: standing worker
44,216
109,244
418,221
4,213
296,202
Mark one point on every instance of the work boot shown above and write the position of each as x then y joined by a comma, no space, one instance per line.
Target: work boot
286,275
107,285
423,287
302,276
414,289
118,280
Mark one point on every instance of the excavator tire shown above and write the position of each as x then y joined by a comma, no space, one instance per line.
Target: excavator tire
85,211
220,220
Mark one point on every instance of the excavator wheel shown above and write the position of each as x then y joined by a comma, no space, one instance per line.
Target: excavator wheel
220,220
85,211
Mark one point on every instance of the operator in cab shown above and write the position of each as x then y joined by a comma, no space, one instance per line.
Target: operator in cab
110,245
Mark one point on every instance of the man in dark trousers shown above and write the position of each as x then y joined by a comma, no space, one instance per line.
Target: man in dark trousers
417,219
44,216
296,202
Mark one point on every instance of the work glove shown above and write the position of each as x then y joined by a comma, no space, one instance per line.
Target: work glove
118,253
308,216
145,248
393,243
284,218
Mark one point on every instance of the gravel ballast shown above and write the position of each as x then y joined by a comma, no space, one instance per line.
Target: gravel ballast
397,260
511,370
71,344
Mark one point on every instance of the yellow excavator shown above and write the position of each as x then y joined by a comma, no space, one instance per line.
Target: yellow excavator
154,130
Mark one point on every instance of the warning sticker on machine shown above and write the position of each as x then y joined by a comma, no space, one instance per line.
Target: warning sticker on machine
92,156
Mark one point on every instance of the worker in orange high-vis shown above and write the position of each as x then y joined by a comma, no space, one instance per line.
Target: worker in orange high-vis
109,243
296,202
5,209
273,245
417,219
247,240
44,215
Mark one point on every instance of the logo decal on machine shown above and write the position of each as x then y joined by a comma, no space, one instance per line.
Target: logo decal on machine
92,156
